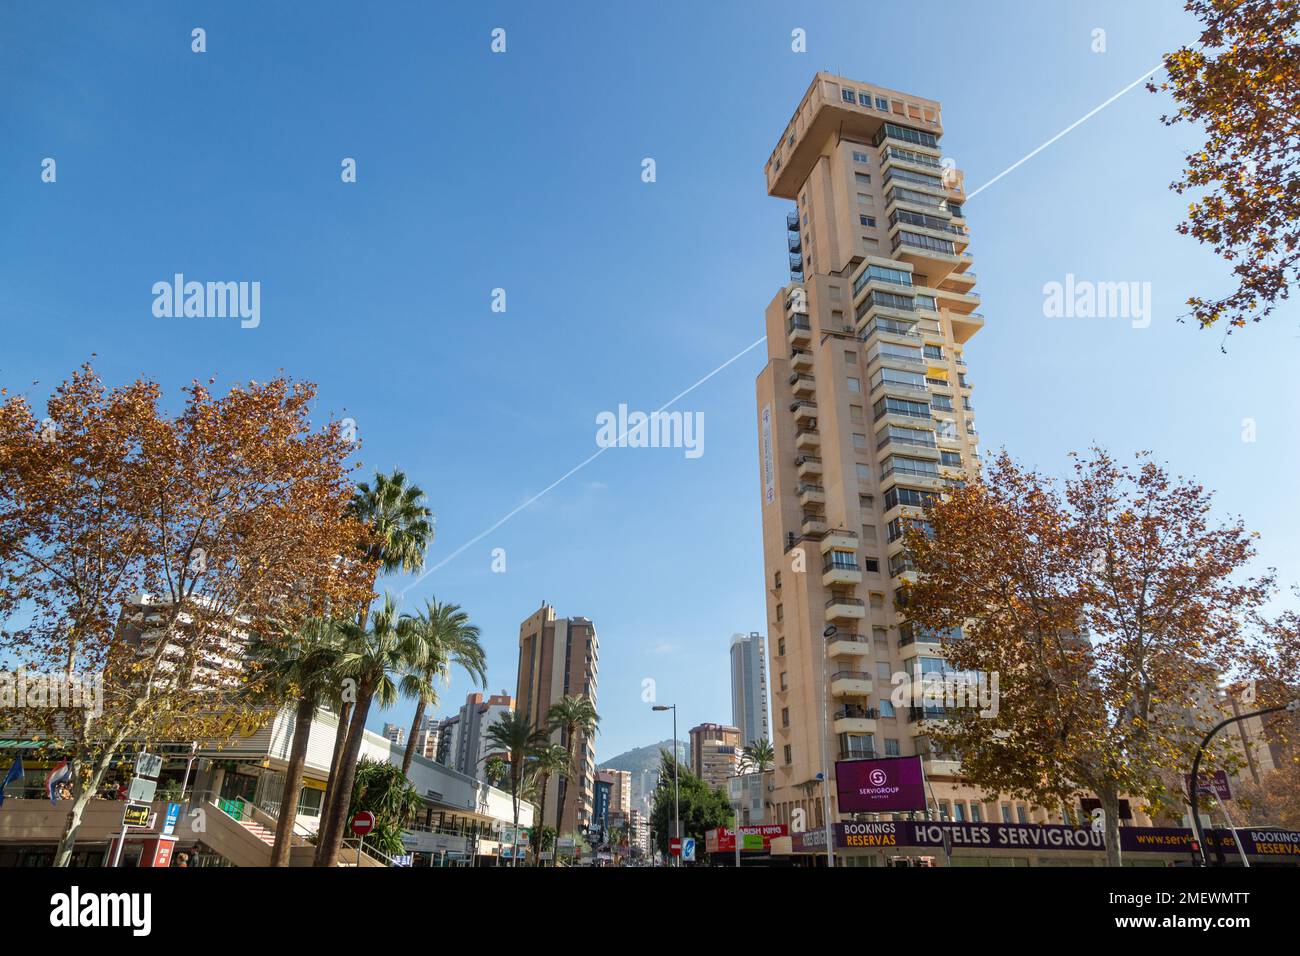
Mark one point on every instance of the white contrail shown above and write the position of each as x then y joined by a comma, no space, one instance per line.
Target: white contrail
1080,121
575,469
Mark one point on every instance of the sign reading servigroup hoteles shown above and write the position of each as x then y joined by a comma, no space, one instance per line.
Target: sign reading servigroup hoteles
875,786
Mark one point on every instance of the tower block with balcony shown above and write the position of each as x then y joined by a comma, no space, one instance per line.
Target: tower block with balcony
864,414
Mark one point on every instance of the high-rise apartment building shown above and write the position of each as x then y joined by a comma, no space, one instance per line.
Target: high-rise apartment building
472,745
864,415
620,789
396,733
448,741
558,657
715,753
749,687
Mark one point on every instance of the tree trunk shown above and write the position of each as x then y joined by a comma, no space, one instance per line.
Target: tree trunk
81,797
516,782
1110,806
288,814
327,801
327,851
410,738
539,822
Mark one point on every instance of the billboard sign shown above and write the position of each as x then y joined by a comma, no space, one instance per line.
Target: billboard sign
723,839
600,804
880,786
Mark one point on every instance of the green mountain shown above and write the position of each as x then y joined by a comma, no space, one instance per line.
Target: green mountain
643,764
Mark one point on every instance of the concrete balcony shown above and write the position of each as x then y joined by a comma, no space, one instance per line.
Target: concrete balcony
846,644
805,412
940,766
801,359
832,574
851,684
807,439
812,495
803,385
840,539
854,725
800,333
813,524
841,608
808,466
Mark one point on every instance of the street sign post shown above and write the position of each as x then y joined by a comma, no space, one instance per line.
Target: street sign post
142,790
135,815
688,850
675,846
363,821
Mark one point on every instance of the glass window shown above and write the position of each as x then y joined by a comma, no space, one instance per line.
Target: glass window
847,95
860,442
891,746
860,157
864,472
855,385
887,707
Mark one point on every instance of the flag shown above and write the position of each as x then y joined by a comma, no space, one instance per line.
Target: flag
58,774
15,773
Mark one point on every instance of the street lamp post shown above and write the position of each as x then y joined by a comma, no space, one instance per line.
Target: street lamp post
677,805
1195,784
831,631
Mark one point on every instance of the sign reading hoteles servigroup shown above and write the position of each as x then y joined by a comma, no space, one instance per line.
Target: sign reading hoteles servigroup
1040,836
888,785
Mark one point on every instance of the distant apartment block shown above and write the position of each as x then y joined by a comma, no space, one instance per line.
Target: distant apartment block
749,687
715,753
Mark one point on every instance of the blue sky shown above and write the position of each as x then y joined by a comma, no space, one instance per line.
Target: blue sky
522,171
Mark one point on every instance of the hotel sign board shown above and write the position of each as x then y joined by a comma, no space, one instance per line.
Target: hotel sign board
1256,841
880,786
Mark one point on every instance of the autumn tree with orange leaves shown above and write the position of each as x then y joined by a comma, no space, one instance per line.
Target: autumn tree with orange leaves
229,517
1241,81
1109,606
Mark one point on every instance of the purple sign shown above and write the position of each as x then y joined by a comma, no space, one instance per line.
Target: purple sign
1217,785
880,786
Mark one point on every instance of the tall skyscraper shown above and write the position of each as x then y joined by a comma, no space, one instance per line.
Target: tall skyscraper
749,687
864,415
558,657
472,744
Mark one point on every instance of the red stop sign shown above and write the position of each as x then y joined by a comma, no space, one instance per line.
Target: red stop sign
363,822
675,846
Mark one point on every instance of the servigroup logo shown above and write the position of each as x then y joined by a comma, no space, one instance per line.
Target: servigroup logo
878,778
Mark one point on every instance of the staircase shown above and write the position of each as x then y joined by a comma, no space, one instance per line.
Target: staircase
259,831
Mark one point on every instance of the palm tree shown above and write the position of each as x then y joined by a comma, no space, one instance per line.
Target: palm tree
514,735
571,715
444,636
302,668
387,792
758,756
548,759
369,657
401,528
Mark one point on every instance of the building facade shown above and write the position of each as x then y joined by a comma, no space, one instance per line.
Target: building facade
476,716
559,657
715,753
749,687
864,414
395,733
